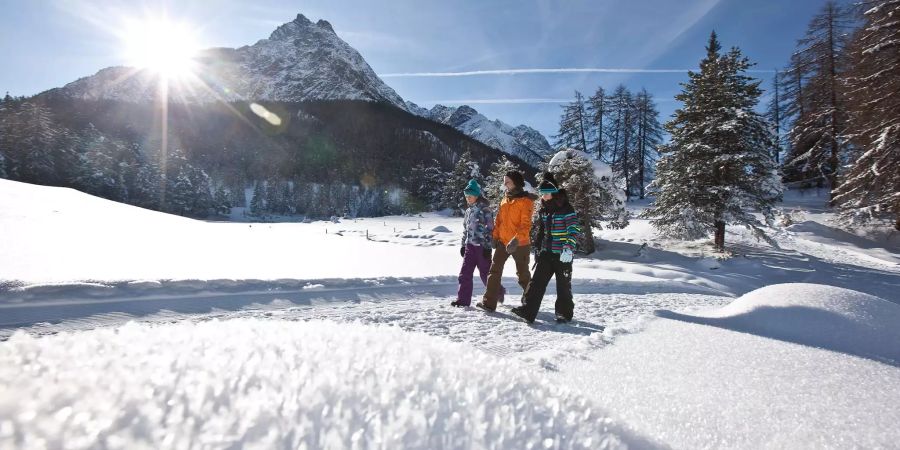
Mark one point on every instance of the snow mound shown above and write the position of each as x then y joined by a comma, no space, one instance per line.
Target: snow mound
279,384
440,229
816,315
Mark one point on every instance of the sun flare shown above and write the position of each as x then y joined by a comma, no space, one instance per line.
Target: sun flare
161,45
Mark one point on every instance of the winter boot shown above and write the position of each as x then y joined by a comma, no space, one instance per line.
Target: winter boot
482,306
520,311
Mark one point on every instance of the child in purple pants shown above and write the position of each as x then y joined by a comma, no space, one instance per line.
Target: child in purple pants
476,242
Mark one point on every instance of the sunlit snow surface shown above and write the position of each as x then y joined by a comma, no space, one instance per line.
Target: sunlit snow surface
276,384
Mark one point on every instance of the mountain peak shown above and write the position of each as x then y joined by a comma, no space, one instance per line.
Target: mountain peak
322,23
521,141
301,61
291,29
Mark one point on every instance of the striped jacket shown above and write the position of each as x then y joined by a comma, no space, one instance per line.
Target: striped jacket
558,229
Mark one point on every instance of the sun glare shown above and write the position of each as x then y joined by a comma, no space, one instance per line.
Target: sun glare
160,45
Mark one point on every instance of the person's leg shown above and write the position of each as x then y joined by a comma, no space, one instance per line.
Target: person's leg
534,292
470,259
484,266
495,274
522,257
564,304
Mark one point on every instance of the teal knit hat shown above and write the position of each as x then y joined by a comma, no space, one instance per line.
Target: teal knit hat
472,189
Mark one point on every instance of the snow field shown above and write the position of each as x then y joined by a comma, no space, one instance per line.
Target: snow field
259,383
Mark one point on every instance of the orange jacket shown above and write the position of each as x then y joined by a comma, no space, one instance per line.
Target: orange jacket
514,219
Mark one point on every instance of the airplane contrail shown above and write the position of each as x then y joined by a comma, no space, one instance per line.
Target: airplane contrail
534,71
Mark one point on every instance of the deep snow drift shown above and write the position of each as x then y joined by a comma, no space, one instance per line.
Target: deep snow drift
274,384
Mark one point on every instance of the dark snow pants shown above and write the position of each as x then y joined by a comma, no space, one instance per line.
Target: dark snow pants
495,290
548,266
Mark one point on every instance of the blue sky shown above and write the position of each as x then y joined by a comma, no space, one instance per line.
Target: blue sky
47,44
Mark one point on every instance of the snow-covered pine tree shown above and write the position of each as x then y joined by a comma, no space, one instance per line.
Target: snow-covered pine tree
147,189
573,125
100,172
258,202
649,138
775,115
623,134
274,203
181,192
426,183
816,144
595,195
464,170
33,138
3,166
222,201
870,187
202,198
718,167
597,111
493,188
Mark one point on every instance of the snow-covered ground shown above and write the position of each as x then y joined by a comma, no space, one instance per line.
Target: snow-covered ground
126,328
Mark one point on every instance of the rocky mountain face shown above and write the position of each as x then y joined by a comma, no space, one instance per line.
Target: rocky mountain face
300,61
522,141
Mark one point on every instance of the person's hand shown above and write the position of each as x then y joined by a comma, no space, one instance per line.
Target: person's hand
512,246
566,256
462,252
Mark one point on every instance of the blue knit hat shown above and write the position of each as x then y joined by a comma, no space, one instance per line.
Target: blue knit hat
549,185
472,189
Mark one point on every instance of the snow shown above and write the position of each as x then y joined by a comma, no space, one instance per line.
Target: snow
778,368
272,384
522,141
253,331
300,61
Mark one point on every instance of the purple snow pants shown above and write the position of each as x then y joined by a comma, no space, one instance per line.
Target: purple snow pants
474,257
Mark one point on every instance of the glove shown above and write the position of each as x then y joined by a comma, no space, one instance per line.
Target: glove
512,246
566,256
487,252
462,252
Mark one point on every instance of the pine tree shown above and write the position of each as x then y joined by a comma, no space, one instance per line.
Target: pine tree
870,188
3,166
573,126
816,144
649,138
775,115
32,139
623,132
257,203
493,188
718,168
426,183
592,191
181,192
597,111
464,170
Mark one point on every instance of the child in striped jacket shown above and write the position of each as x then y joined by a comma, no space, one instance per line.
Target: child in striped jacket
554,243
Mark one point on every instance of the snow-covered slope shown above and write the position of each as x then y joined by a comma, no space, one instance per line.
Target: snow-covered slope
522,141
787,366
281,341
300,61
65,235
